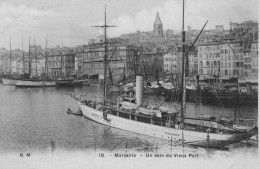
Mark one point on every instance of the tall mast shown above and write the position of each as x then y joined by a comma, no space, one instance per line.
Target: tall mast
35,56
46,60
61,64
105,26
183,103
23,57
61,58
237,95
10,56
29,56
105,57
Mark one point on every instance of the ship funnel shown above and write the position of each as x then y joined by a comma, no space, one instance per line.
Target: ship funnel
139,90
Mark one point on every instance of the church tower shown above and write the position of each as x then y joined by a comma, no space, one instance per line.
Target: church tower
157,30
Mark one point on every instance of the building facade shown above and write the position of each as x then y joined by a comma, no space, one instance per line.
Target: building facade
170,62
122,59
209,59
254,57
192,62
247,62
232,61
61,64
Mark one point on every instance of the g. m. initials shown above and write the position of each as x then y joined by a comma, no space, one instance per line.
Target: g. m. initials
25,154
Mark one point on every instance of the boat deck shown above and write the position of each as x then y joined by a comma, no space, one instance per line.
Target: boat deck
151,119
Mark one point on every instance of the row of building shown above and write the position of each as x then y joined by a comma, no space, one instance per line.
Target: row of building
225,59
219,52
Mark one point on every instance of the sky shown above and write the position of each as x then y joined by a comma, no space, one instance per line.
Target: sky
70,21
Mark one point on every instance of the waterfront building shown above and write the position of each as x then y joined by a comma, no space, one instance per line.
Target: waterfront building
40,61
61,64
170,62
192,62
209,59
232,61
254,56
123,59
19,66
247,62
6,64
33,67
79,59
254,51
14,66
26,63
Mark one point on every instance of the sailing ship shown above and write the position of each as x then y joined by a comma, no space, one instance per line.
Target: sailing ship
131,115
36,82
9,80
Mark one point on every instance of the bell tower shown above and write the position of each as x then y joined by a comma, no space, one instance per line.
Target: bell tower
158,30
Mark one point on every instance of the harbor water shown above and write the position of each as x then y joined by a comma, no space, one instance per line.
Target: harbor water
30,118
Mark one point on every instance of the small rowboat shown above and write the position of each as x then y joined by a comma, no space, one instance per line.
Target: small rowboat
78,113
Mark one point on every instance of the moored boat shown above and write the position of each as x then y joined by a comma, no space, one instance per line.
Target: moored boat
131,115
7,81
35,83
63,82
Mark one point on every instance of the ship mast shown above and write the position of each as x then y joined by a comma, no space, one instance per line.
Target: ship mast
23,58
183,102
10,56
35,57
61,59
184,64
29,56
105,26
46,60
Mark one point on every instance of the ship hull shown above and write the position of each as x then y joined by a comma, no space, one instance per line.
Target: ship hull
8,81
34,83
64,82
162,132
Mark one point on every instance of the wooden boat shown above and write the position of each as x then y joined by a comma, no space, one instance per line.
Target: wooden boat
78,113
24,83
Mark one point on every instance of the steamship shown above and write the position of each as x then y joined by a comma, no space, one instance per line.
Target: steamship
130,114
